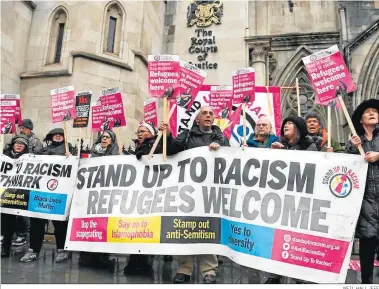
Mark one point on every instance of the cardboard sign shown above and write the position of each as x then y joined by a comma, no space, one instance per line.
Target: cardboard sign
63,104
327,71
243,85
221,98
10,113
83,106
191,80
164,76
287,212
150,114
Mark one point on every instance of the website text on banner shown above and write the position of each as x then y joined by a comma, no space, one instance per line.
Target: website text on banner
243,85
63,104
326,69
37,186
150,113
276,211
10,113
163,75
83,106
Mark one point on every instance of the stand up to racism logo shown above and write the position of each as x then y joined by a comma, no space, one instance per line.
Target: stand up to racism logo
341,181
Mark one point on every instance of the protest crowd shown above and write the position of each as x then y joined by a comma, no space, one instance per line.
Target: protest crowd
297,133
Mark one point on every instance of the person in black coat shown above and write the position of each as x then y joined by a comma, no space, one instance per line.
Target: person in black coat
366,122
202,133
18,147
55,140
106,145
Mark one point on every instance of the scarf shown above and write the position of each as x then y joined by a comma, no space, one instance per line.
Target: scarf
99,149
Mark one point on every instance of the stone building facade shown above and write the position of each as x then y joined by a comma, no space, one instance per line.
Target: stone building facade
271,36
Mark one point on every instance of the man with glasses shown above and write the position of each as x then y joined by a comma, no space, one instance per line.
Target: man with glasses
202,133
263,136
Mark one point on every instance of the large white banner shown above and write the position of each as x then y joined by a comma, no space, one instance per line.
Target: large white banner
273,210
37,186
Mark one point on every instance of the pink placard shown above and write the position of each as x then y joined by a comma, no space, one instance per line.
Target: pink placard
221,101
10,113
112,106
163,76
99,119
327,71
309,251
191,80
89,229
63,104
150,114
243,85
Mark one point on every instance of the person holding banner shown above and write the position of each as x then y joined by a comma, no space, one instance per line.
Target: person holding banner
18,147
320,135
56,146
202,133
263,136
366,122
106,145
294,135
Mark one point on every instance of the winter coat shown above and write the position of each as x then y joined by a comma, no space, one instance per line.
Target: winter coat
368,222
35,144
57,149
189,139
252,142
145,147
321,141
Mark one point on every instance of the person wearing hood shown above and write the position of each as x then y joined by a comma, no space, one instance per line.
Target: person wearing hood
319,135
106,145
366,122
56,146
26,128
18,147
294,135
202,133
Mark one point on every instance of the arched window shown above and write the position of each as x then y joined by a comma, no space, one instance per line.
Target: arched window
57,33
113,28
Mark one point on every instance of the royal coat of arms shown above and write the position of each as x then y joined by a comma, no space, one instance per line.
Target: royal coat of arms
204,13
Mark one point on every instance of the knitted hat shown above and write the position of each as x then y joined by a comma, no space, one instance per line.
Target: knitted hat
20,138
358,112
27,123
299,123
149,127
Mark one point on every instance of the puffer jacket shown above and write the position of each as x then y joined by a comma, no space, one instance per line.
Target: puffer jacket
145,148
189,139
55,148
368,222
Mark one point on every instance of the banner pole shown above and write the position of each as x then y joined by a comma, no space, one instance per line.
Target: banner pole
329,125
298,97
79,142
351,126
117,131
165,106
160,133
244,124
1,143
65,136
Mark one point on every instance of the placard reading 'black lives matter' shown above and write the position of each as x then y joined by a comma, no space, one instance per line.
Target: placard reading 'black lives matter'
37,186
276,211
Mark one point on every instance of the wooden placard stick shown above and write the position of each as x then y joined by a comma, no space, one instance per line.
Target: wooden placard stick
298,97
117,131
65,136
329,125
165,107
351,126
244,124
1,143
160,133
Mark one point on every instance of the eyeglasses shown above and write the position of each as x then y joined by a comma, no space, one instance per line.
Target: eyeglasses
106,137
141,131
204,112
262,124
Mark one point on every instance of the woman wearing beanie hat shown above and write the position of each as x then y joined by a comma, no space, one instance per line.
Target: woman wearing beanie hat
366,122
106,145
19,146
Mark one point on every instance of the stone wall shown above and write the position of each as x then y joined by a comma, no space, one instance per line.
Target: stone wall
16,18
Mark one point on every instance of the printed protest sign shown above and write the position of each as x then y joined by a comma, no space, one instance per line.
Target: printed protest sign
150,114
63,104
287,212
243,85
10,113
163,75
191,80
327,69
37,186
220,100
83,105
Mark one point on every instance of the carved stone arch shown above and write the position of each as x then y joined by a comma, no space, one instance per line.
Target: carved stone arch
286,77
109,10
368,81
58,15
